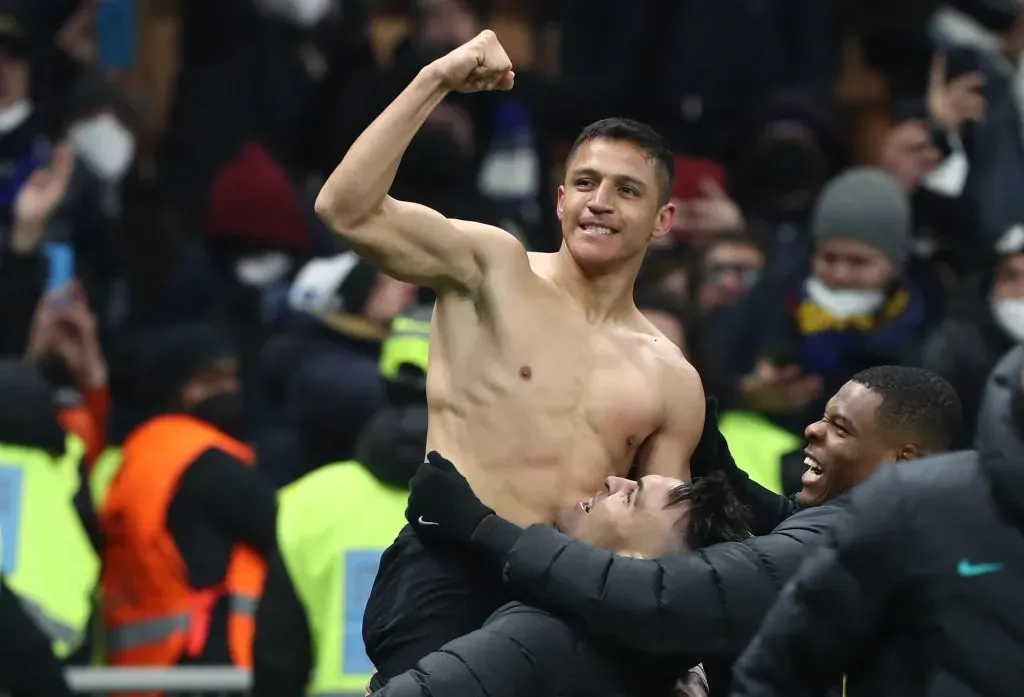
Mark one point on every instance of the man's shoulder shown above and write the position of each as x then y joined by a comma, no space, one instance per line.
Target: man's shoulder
808,523
663,354
519,611
937,477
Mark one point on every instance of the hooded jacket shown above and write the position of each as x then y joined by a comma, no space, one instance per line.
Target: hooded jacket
917,594
965,347
996,434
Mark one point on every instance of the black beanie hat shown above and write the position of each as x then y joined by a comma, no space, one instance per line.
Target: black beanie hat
173,355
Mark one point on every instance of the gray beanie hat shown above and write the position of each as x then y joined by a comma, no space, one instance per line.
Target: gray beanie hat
866,205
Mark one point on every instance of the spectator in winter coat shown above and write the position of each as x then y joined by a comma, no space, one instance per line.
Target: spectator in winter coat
916,592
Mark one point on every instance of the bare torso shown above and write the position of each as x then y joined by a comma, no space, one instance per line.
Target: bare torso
534,404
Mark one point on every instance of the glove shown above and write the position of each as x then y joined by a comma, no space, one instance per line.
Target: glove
442,506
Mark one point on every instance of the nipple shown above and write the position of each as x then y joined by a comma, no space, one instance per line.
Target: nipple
630,441
525,373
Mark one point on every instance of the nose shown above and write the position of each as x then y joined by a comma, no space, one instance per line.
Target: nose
841,275
617,484
600,202
815,431
732,282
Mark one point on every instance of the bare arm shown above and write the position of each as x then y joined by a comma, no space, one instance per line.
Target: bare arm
405,240
667,451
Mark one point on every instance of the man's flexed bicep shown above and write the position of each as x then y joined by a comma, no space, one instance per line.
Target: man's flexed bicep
407,241
416,244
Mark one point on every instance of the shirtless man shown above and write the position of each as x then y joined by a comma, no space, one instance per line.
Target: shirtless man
544,377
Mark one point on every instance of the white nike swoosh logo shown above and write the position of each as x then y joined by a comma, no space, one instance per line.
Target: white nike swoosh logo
425,522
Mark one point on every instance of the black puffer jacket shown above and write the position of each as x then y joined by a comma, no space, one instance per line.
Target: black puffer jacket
691,608
918,595
525,652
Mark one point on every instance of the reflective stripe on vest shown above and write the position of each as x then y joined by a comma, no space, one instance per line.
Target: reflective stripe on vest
55,629
134,635
46,557
407,343
331,554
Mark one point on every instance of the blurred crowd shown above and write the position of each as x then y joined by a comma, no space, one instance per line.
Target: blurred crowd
845,188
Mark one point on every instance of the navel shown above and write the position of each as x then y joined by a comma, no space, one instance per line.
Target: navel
525,373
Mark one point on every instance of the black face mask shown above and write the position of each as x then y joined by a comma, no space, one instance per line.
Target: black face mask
225,412
434,160
783,166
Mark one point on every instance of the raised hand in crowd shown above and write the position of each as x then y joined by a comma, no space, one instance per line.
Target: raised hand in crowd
65,325
771,389
38,198
76,37
714,211
952,103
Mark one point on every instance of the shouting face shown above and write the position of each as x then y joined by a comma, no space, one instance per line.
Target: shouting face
846,445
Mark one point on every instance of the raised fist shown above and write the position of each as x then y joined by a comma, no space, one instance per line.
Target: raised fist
479,65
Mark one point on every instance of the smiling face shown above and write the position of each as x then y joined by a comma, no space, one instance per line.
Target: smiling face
630,518
846,445
610,204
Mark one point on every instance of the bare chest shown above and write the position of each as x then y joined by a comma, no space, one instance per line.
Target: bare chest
563,376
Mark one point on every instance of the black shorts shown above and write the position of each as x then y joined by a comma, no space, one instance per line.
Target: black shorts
422,598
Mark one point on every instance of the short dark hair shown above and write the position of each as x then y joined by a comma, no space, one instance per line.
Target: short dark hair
643,137
917,405
716,515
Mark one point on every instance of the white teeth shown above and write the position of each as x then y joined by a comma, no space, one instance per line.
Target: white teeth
813,464
598,229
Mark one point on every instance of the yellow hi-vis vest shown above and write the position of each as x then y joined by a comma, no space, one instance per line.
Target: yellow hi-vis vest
757,445
332,527
46,557
106,467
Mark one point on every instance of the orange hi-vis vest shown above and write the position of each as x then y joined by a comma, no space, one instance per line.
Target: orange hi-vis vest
152,616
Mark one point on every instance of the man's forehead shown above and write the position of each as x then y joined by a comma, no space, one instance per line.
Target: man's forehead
613,158
855,402
654,488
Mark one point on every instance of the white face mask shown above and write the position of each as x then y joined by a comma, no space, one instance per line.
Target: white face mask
304,14
843,303
105,145
263,270
1009,314
14,115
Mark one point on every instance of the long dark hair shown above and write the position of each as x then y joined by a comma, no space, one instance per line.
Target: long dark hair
716,515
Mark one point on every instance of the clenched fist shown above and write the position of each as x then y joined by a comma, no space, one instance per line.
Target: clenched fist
479,65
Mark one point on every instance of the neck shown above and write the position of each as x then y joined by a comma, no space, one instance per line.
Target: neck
602,294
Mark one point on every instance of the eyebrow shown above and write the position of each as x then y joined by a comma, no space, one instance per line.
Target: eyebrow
621,178
637,493
843,421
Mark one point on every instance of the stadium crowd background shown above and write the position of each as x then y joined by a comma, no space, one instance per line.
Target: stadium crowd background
159,160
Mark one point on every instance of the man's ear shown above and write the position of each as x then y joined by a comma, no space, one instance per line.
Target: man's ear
908,451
